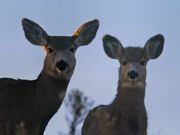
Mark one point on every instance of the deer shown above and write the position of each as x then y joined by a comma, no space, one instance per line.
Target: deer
26,106
126,114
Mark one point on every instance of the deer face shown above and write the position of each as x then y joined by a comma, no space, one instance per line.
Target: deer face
60,57
133,60
60,50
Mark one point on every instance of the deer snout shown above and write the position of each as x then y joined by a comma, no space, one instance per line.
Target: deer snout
61,65
133,75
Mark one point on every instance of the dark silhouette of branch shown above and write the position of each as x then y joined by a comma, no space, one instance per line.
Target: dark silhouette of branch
77,105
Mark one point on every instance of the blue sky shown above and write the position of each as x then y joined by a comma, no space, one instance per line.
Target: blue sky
132,22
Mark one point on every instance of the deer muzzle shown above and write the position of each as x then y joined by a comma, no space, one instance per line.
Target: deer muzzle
62,65
133,75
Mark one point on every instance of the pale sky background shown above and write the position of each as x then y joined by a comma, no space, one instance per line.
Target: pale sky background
132,22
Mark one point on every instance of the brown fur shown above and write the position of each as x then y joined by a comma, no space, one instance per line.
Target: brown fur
126,115
26,102
27,106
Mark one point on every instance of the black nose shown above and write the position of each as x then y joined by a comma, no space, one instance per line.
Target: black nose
133,75
61,65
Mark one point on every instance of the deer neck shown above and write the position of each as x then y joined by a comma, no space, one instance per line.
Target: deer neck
50,88
129,96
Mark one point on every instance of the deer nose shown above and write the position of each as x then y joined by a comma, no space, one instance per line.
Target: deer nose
133,75
61,65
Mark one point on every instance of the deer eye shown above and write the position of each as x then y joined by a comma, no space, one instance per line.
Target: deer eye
50,50
72,50
124,62
142,63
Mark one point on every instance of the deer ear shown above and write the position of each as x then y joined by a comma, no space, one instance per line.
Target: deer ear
86,33
112,47
34,33
154,46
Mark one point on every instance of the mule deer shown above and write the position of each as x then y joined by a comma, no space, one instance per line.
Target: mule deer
26,106
126,115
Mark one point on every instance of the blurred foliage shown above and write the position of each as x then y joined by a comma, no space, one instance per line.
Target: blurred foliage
77,104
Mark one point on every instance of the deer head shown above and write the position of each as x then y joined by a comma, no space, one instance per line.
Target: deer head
133,60
60,50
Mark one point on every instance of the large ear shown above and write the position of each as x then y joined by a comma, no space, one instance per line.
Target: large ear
86,33
112,47
34,33
154,46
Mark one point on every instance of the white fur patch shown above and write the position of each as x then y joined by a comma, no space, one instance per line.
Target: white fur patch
133,85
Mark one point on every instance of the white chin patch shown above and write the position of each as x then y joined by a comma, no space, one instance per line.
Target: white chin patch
65,74
133,84
59,71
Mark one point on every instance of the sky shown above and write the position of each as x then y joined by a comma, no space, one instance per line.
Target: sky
132,22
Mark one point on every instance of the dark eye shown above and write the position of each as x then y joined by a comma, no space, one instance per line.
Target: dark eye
72,49
142,63
124,62
50,50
